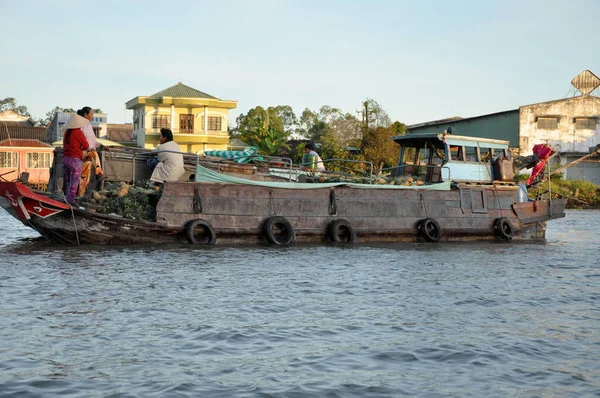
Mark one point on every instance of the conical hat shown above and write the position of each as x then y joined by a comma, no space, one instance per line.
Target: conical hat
75,122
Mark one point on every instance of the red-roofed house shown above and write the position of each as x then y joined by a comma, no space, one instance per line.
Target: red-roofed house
26,155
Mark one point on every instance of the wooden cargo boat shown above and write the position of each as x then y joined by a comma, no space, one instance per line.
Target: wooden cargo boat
445,188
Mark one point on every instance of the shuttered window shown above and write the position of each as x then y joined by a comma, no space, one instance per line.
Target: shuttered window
585,124
186,123
547,123
214,123
39,160
160,121
9,159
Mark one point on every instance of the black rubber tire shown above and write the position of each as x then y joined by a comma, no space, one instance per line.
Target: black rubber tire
286,236
341,231
504,228
430,230
209,236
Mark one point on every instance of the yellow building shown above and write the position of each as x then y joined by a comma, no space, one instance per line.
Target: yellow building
198,120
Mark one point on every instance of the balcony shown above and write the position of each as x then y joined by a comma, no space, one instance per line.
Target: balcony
188,132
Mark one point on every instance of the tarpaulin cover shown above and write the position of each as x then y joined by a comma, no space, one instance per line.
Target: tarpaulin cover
238,156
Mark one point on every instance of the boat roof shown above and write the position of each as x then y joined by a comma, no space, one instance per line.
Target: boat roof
451,139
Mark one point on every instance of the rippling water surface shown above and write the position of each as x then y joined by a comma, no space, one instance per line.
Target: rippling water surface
494,319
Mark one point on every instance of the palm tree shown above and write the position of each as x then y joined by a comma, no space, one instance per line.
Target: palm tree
267,138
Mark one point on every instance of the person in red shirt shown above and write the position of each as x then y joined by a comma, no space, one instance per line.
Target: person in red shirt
74,143
543,152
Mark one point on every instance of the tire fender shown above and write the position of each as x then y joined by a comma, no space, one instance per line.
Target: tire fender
287,234
341,231
430,230
209,236
504,228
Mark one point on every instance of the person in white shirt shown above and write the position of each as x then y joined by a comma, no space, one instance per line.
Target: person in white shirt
91,160
317,162
170,164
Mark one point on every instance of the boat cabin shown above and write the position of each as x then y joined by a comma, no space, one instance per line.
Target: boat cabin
439,157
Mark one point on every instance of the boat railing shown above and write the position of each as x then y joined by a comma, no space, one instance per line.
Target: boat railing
282,166
428,171
152,153
279,162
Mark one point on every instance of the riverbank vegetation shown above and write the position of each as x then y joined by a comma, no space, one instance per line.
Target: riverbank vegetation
579,194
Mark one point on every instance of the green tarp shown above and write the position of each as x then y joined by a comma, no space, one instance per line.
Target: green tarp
238,156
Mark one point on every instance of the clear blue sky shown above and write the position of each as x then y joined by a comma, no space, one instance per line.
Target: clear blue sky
421,60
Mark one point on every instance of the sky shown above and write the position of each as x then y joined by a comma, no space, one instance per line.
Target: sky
420,60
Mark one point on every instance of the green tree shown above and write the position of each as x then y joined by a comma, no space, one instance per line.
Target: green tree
286,115
10,104
306,121
373,115
257,128
378,147
347,128
329,121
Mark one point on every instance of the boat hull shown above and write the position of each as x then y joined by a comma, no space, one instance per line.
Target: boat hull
238,213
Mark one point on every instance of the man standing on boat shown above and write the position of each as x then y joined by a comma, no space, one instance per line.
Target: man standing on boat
170,159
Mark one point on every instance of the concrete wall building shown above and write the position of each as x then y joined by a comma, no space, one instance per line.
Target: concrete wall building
571,125
198,120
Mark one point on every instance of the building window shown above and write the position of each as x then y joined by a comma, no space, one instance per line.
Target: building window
186,123
39,160
585,123
214,123
9,159
547,123
160,121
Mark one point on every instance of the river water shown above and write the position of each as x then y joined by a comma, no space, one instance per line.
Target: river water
433,320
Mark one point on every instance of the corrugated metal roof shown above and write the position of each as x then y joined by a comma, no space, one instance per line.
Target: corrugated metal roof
120,132
22,132
457,120
182,91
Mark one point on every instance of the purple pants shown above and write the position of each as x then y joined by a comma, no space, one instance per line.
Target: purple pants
72,172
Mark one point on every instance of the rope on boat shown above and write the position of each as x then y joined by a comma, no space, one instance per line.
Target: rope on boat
60,195
422,203
498,201
75,225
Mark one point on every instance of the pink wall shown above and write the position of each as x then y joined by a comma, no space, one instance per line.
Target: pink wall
35,175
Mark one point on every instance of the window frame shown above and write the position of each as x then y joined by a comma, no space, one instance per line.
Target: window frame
46,160
542,121
186,123
585,122
160,121
215,123
13,158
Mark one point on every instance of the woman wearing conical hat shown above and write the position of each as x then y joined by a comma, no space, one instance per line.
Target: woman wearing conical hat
74,143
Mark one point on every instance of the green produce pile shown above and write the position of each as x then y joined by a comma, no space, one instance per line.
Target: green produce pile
136,202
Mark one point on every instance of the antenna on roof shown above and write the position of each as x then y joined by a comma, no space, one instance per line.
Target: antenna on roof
586,82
